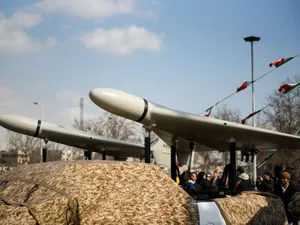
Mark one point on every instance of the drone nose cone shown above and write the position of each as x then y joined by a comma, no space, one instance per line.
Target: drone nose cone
18,124
119,103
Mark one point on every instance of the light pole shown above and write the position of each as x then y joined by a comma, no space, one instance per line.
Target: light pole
41,150
252,39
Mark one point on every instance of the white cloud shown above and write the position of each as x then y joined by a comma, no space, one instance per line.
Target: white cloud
122,40
7,96
51,42
25,20
66,26
14,39
91,8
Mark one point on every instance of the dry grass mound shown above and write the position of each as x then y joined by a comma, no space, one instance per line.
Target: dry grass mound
93,192
252,208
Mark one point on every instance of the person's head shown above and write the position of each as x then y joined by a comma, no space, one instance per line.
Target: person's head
240,170
201,176
267,176
194,176
215,174
186,176
285,178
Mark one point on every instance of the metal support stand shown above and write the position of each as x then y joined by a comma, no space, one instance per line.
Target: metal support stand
44,154
191,148
44,151
254,160
103,155
232,172
147,148
173,162
87,155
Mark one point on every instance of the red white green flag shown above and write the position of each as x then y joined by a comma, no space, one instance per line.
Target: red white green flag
286,88
281,61
252,114
209,111
244,86
265,160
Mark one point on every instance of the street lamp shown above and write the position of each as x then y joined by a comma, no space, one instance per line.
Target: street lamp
41,150
252,39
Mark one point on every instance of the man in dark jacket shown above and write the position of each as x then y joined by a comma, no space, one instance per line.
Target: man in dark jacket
266,183
243,182
285,190
294,181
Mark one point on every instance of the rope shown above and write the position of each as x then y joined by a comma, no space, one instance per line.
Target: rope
72,211
22,205
35,187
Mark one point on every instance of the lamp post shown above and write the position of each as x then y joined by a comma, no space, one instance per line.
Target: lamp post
41,150
252,39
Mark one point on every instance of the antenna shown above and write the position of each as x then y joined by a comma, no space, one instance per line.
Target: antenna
81,104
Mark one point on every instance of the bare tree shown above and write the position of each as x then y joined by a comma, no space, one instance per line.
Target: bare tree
226,113
30,147
206,159
283,114
21,143
111,126
54,151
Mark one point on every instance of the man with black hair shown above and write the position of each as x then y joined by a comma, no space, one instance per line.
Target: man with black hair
266,183
243,182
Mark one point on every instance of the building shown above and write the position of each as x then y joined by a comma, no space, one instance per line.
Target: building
13,159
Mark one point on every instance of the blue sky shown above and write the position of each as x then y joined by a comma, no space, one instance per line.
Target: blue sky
186,55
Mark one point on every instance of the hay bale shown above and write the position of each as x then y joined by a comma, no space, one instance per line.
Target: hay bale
294,206
93,192
252,208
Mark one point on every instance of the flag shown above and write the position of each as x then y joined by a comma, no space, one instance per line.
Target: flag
281,61
244,86
297,133
286,88
251,114
208,111
264,161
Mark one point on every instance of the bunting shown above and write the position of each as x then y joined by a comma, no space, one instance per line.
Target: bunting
252,114
209,111
244,86
264,161
280,62
283,89
286,88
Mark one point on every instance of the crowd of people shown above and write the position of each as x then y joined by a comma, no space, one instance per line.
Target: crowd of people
283,183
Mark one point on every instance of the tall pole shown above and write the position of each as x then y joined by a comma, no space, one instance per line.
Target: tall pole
41,141
252,79
252,39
